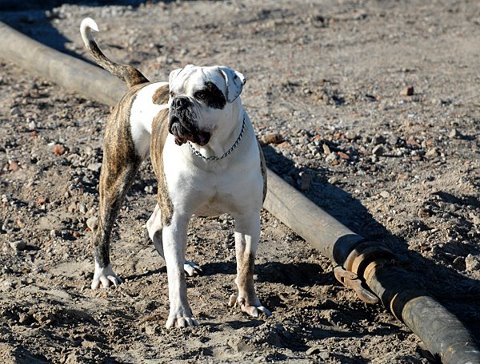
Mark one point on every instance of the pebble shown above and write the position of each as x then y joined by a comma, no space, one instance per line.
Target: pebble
408,91
385,194
472,262
58,149
14,111
454,133
326,149
13,166
92,223
82,208
432,153
18,245
379,150
95,167
332,157
272,138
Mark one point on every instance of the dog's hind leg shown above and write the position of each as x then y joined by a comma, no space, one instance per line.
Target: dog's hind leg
154,228
119,168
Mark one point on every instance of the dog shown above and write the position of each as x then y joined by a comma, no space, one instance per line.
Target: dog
207,162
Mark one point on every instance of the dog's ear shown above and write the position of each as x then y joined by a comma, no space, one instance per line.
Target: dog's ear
234,82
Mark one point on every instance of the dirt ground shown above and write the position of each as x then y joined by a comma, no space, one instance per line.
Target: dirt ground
328,92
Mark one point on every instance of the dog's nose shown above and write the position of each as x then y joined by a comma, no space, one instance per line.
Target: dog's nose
180,102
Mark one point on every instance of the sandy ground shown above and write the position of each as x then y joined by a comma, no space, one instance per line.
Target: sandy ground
327,83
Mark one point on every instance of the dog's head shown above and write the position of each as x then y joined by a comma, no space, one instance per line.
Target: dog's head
201,99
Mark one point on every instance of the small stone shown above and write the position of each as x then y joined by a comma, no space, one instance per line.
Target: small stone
408,91
454,133
272,138
13,166
58,149
331,158
148,189
14,111
18,245
378,150
82,208
41,200
432,153
385,194
313,350
343,156
92,223
350,135
95,167
472,262
72,208
326,149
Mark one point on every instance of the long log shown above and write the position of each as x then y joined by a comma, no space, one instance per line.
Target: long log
361,263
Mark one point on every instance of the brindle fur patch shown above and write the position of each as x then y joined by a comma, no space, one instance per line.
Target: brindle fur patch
263,169
159,136
160,96
119,167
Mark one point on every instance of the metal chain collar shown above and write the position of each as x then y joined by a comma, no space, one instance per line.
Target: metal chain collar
226,154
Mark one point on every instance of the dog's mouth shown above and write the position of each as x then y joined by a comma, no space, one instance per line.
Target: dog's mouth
185,131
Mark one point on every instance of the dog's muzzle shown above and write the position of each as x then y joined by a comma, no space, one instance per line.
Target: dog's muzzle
182,123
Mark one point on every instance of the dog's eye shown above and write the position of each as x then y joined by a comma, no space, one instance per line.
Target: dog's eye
200,95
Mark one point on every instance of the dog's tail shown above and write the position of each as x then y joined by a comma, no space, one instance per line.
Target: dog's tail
126,72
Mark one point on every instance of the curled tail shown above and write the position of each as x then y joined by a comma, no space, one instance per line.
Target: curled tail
126,72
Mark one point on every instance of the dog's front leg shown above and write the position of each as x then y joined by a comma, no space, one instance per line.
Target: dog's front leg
174,244
247,235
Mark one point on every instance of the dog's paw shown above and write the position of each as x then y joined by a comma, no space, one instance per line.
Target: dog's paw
105,276
180,321
254,310
192,269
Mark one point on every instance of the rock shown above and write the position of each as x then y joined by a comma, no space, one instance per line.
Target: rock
58,149
92,223
454,133
379,150
13,166
432,153
350,135
95,167
72,208
313,350
15,111
385,194
326,149
18,245
472,263
343,156
331,158
272,138
82,208
407,91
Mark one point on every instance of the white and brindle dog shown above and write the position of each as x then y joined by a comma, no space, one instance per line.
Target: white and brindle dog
207,162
